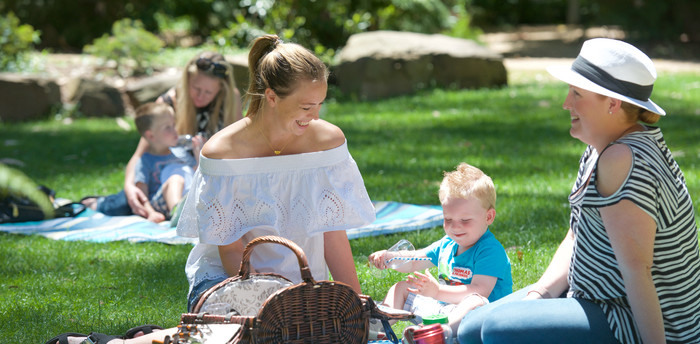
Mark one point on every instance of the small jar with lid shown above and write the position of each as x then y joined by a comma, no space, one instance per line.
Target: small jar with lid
430,334
444,323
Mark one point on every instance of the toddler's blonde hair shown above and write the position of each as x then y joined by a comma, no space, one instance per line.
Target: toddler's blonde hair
468,181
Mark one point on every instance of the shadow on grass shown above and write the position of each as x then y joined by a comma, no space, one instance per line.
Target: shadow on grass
88,287
60,149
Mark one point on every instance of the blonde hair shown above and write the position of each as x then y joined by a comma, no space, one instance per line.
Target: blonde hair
279,66
637,114
468,181
147,113
223,105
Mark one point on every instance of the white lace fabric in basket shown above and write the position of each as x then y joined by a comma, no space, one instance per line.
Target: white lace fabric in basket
247,296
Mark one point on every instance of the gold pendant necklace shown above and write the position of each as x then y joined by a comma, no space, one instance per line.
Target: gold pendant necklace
277,152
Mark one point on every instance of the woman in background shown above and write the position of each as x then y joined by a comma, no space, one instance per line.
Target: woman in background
208,101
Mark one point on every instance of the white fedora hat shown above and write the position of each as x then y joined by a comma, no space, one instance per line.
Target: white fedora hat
612,68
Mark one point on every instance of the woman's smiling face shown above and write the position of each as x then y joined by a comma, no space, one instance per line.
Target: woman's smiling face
299,108
587,110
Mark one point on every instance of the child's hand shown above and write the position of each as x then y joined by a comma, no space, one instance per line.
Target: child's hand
378,259
425,284
198,141
197,144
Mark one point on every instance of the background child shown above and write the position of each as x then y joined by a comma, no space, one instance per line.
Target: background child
164,172
473,268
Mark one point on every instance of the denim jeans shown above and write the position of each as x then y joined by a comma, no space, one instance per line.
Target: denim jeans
114,205
198,290
558,320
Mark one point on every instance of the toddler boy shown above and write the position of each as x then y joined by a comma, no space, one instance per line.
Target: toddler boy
473,268
164,172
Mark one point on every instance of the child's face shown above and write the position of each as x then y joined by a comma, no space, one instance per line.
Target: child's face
163,131
466,220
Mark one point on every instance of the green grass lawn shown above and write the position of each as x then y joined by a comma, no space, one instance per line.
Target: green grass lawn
518,135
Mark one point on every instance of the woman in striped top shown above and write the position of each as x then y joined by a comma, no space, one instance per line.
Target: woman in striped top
628,270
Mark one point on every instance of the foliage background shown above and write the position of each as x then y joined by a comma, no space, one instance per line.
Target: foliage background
68,25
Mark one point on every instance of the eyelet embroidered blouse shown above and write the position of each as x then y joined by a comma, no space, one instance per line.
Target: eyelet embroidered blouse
298,197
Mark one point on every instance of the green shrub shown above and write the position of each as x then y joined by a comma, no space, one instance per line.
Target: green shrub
15,41
131,47
324,26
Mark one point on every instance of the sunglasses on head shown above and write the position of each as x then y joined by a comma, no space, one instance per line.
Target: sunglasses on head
207,65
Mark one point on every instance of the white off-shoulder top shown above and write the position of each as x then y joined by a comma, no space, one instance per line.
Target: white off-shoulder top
298,197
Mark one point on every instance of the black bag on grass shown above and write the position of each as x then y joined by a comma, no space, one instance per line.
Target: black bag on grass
22,209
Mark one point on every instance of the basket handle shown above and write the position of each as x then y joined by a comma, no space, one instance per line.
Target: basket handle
304,269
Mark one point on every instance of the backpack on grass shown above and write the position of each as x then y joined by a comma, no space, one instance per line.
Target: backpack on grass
14,208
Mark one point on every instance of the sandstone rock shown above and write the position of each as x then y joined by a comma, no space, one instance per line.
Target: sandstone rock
240,71
149,89
381,64
95,98
24,98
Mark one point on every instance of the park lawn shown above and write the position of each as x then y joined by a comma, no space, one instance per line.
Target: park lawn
516,134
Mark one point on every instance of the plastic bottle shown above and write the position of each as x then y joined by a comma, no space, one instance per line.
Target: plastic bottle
402,248
443,321
184,141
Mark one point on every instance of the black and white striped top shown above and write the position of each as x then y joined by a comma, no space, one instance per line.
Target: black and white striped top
657,185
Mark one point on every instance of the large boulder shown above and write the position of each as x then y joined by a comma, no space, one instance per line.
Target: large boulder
24,98
240,71
381,64
95,98
150,88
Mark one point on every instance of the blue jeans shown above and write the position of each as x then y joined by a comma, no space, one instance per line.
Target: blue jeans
198,290
559,320
114,205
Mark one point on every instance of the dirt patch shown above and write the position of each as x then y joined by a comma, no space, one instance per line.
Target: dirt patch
536,47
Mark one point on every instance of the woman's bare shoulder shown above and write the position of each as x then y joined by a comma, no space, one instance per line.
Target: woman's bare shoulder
327,135
228,143
614,165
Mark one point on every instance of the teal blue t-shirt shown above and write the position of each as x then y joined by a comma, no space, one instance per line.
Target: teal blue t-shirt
487,257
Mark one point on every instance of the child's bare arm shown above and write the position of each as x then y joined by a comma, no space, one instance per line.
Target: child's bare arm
143,187
383,259
197,144
481,284
426,285
151,214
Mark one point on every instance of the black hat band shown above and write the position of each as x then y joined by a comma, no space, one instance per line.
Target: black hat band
602,78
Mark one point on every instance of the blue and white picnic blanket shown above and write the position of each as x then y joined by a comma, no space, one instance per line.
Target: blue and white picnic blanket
392,217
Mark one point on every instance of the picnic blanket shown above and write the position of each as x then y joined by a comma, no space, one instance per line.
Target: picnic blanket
392,217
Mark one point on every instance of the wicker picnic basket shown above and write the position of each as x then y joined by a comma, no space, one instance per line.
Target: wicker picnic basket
309,312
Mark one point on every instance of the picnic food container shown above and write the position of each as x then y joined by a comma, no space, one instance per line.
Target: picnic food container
443,320
430,334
